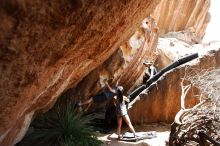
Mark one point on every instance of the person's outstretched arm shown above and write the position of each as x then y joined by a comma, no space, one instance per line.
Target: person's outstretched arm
117,82
109,87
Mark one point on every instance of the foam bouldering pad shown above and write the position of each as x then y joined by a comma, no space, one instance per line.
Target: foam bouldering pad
128,136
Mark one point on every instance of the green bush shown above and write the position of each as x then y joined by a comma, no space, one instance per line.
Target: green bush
62,126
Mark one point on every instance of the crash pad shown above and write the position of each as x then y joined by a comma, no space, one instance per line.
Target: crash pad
128,136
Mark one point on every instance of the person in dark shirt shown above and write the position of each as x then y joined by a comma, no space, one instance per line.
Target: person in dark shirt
100,97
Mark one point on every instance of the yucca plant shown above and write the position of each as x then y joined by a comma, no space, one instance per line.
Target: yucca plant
62,126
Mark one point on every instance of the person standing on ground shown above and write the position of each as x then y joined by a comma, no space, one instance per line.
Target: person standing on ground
121,110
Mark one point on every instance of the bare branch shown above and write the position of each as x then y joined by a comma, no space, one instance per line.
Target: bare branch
202,118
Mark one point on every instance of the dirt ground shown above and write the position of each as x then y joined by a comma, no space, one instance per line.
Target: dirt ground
162,130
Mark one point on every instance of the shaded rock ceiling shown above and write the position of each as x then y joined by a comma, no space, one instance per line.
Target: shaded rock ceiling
49,46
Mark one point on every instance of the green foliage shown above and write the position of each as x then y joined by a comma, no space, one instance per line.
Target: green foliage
63,126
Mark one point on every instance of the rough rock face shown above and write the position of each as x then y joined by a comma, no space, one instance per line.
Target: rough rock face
125,65
162,101
169,50
148,32
189,15
49,46
188,36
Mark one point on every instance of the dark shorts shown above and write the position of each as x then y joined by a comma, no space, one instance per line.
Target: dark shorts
103,96
145,78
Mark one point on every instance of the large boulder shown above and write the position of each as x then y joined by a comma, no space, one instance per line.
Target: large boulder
49,46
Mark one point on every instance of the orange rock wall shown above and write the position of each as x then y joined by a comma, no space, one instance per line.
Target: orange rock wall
125,64
134,68
182,15
49,46
162,101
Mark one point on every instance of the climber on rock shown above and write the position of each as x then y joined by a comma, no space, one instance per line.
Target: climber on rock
101,97
149,72
121,110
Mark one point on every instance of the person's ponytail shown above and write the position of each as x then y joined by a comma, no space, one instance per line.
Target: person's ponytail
120,96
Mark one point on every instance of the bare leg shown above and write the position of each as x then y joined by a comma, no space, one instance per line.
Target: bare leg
88,106
128,122
86,102
119,119
89,102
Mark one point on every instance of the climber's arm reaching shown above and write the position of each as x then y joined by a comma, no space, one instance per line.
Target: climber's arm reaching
110,88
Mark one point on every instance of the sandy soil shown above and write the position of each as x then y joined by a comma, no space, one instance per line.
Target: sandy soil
161,129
